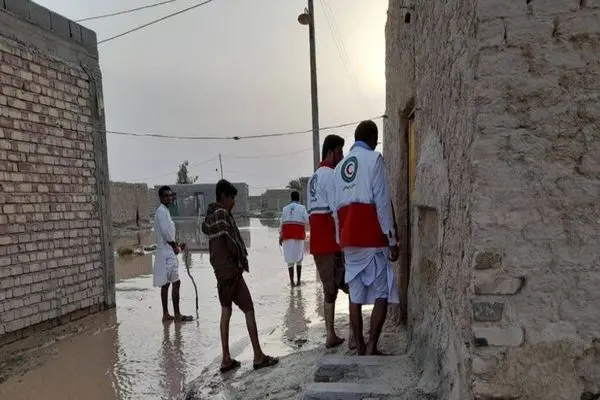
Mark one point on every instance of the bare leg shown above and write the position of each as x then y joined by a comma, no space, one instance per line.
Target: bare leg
332,340
178,316
356,321
225,318
351,337
164,297
175,295
298,273
259,356
291,273
377,320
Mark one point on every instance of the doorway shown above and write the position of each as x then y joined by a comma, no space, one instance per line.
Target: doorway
410,157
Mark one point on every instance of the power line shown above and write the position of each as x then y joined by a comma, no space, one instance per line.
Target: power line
339,43
123,12
257,136
155,21
291,153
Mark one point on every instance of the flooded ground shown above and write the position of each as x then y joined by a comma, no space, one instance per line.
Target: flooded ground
128,353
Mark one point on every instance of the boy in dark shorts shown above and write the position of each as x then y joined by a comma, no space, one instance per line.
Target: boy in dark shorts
229,259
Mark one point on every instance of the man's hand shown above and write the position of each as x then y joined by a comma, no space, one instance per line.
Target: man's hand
176,249
182,246
394,253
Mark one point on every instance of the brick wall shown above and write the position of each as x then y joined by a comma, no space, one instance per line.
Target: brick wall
55,251
129,205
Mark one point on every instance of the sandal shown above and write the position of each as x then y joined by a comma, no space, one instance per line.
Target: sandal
184,318
267,362
233,364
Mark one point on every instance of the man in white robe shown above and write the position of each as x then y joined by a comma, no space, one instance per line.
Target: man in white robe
366,233
292,235
166,264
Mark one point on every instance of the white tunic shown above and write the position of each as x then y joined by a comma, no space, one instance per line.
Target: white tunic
294,217
166,265
366,267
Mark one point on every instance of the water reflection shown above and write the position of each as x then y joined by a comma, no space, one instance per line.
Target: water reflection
128,353
295,321
189,231
133,266
319,301
270,222
172,361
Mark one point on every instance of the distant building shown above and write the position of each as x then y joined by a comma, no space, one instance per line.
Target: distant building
192,200
273,200
254,204
129,205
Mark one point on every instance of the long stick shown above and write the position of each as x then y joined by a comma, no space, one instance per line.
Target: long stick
187,258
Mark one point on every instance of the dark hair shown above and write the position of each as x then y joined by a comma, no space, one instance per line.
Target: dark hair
225,189
331,143
365,131
295,196
163,190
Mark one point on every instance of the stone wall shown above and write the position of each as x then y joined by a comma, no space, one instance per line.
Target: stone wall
429,70
206,193
56,259
502,298
535,210
129,205
273,200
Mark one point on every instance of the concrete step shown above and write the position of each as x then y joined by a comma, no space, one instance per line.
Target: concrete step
333,368
349,391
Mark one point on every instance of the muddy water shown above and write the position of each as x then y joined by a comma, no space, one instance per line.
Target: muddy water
128,353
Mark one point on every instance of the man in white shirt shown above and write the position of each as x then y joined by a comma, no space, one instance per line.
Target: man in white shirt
292,235
166,264
366,233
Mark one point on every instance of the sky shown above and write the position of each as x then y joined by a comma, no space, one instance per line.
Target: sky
232,68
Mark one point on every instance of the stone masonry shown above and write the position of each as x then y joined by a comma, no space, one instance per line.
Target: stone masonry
503,224
129,205
56,258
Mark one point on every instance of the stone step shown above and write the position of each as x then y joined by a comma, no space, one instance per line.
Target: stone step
349,391
333,368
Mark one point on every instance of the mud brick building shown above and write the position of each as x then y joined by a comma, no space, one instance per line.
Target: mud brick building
56,258
493,148
129,205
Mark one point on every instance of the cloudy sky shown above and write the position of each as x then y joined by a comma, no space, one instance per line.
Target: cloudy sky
230,68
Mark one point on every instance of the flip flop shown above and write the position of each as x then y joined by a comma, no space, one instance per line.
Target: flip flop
184,318
233,364
267,362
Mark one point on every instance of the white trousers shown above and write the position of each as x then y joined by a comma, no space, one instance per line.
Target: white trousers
293,251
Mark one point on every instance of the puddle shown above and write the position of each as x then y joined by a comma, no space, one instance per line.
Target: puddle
128,353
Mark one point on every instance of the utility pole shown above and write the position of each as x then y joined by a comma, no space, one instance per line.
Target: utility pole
221,165
308,18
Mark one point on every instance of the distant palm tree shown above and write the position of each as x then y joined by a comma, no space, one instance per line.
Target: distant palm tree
294,184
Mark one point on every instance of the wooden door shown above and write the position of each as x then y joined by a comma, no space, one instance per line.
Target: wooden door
412,156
